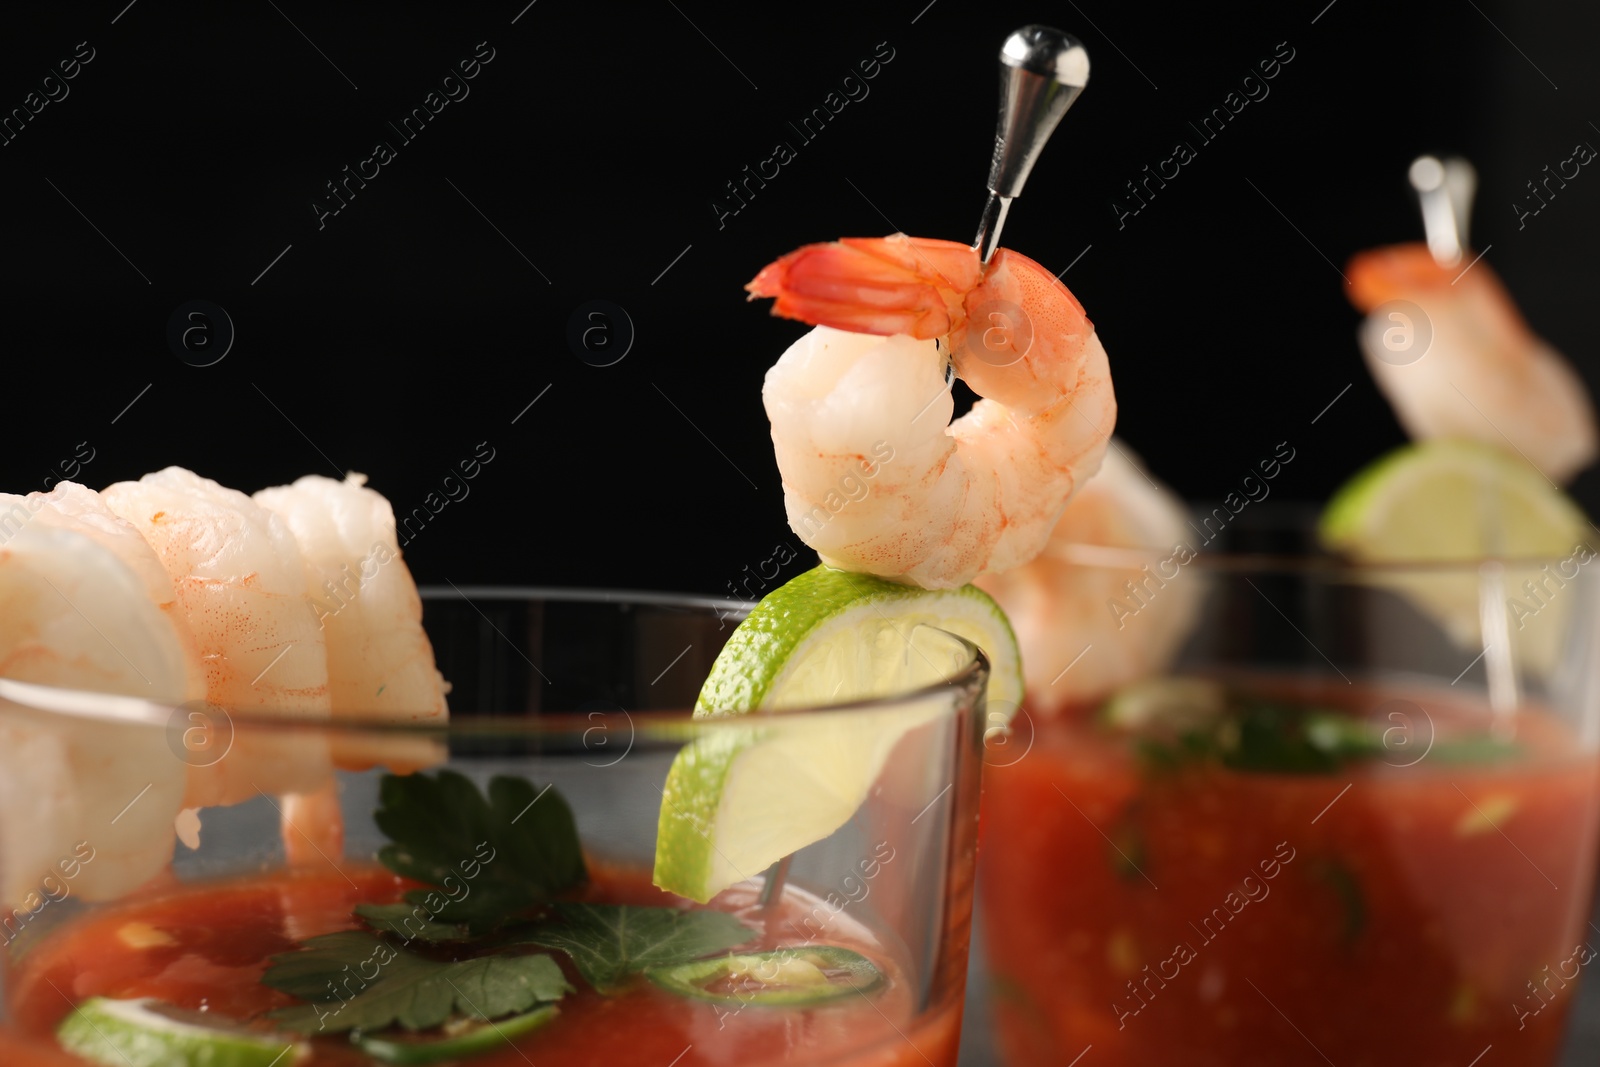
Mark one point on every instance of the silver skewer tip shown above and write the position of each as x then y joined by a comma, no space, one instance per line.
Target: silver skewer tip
1042,71
1445,189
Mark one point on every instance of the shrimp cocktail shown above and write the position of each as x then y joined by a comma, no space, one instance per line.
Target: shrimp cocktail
1278,802
248,823
487,890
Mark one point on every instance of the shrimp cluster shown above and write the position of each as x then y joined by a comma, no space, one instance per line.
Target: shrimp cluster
1484,374
893,316
178,591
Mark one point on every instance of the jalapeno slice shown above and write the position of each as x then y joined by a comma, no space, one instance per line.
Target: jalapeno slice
786,977
482,1036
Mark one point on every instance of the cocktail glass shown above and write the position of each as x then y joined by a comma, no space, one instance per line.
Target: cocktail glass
1394,866
581,693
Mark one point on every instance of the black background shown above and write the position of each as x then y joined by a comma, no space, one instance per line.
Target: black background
414,324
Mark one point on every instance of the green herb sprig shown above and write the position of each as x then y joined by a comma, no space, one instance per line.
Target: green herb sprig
497,866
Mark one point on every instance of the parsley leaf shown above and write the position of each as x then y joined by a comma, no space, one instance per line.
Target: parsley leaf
416,992
492,857
1288,739
1251,734
411,922
608,942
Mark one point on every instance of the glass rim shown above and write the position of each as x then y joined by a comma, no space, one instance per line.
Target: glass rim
1122,558
584,595
80,705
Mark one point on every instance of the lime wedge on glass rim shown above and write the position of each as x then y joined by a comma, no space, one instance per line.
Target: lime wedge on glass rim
737,800
1449,501
146,1033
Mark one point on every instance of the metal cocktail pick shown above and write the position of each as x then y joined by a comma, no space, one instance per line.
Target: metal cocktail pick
1042,71
1445,189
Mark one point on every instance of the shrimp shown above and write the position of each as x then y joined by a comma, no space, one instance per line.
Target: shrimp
938,502
86,806
1484,375
380,663
1087,626
241,580
70,506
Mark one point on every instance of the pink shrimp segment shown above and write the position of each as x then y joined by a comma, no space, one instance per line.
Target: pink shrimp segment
1020,339
1484,374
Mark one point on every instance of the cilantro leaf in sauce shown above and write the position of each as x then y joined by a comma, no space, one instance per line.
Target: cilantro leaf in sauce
491,857
1341,882
1247,733
358,980
497,863
411,922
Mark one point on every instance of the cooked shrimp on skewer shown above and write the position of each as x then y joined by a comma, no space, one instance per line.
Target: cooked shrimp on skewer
1085,624
861,403
97,797
1484,375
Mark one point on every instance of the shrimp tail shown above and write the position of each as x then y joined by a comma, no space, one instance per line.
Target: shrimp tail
1379,275
875,285
1398,272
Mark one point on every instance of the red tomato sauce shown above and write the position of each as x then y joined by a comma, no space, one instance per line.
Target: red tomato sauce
206,946
1210,916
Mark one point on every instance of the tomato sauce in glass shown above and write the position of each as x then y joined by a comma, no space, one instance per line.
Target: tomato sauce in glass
206,946
1369,916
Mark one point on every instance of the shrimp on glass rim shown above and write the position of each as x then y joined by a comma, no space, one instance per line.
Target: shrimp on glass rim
241,580
97,797
380,662
1484,374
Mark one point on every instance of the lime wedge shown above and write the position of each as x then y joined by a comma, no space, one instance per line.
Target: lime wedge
146,1033
1450,501
739,799
830,636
